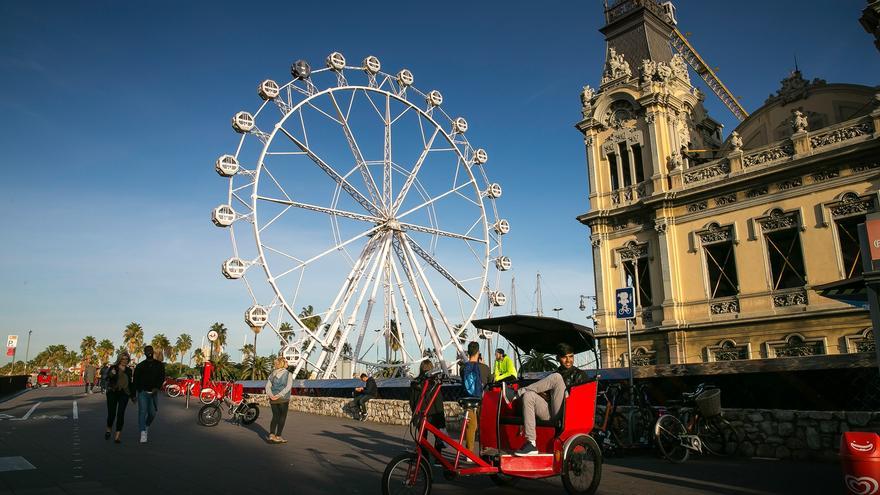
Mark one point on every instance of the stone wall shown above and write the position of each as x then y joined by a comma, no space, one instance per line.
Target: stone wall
774,433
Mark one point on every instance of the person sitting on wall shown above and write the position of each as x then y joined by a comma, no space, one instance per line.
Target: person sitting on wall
504,369
536,406
363,395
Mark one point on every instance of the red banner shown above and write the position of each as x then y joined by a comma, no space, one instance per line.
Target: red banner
10,351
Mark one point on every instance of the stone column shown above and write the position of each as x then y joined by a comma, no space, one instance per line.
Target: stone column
801,142
667,267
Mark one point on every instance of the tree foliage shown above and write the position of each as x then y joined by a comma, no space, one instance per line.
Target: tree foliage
538,361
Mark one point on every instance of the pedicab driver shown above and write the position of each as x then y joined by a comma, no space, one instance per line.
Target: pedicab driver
557,384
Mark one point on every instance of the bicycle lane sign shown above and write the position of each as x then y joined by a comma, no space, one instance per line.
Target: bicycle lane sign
625,300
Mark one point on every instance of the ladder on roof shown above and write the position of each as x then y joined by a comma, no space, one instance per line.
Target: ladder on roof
690,55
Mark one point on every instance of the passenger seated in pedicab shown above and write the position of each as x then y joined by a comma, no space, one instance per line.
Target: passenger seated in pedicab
505,371
535,404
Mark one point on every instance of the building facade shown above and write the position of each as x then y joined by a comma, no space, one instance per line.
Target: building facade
722,237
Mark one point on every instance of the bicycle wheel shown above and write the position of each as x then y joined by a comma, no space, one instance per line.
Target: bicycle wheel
582,466
668,432
207,396
250,414
402,476
172,390
618,426
718,435
210,415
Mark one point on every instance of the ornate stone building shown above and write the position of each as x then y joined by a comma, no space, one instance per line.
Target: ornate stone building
723,239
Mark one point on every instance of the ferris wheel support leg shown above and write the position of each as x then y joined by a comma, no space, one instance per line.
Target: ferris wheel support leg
423,306
395,313
407,309
352,280
452,332
375,279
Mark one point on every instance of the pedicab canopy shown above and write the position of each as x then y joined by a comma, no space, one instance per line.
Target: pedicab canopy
539,333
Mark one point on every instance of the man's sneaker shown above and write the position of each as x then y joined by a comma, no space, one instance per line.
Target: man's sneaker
143,437
527,450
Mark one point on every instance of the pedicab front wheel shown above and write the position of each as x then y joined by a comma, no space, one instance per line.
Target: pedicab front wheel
582,466
402,476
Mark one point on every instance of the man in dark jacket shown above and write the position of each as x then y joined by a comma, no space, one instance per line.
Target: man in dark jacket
557,384
149,375
364,394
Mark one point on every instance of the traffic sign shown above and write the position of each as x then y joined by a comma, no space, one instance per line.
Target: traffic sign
212,335
626,303
11,344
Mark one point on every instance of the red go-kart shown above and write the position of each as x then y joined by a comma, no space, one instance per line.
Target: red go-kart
565,444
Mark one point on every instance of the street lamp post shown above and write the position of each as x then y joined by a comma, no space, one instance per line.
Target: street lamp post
557,312
27,351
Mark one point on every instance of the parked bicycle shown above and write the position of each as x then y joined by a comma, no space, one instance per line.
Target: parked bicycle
618,430
695,424
239,405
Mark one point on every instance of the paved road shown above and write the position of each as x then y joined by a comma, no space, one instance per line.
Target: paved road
65,445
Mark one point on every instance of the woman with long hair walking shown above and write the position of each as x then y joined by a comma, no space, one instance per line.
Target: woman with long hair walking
120,390
278,387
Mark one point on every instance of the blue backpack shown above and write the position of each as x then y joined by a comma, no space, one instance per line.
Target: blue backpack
471,381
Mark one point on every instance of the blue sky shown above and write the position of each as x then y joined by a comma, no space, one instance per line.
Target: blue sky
114,113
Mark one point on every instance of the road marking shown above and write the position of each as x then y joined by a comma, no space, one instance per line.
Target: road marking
75,411
27,414
15,463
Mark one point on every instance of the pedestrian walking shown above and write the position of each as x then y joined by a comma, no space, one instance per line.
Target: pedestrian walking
472,386
89,376
278,387
149,375
120,390
363,395
102,377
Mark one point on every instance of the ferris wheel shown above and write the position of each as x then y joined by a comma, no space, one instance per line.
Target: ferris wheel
362,220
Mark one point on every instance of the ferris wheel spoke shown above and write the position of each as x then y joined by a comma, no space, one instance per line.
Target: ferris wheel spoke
328,251
386,156
322,209
395,313
369,182
407,249
435,199
406,306
429,230
401,195
367,204
436,265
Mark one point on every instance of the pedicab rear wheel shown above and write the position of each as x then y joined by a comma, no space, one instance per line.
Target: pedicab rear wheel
582,466
395,478
209,415
172,390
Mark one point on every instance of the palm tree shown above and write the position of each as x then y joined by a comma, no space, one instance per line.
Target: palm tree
246,352
133,336
87,346
309,318
105,350
121,349
223,368
220,343
183,345
346,351
172,354
538,361
161,344
257,367
199,356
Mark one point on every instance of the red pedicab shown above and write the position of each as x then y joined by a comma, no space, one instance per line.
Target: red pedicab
565,443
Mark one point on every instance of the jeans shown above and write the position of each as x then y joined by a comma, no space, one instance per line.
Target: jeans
279,417
147,407
116,404
535,406
360,403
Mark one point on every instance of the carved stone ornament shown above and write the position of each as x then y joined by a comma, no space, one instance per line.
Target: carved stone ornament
778,220
632,251
618,113
715,233
674,161
799,122
736,141
587,96
661,227
588,141
794,87
698,206
851,204
725,200
758,191
683,131
724,307
679,68
842,134
650,117
825,174
864,167
790,184
647,316
615,67
796,297
648,69
595,241
707,172
768,155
